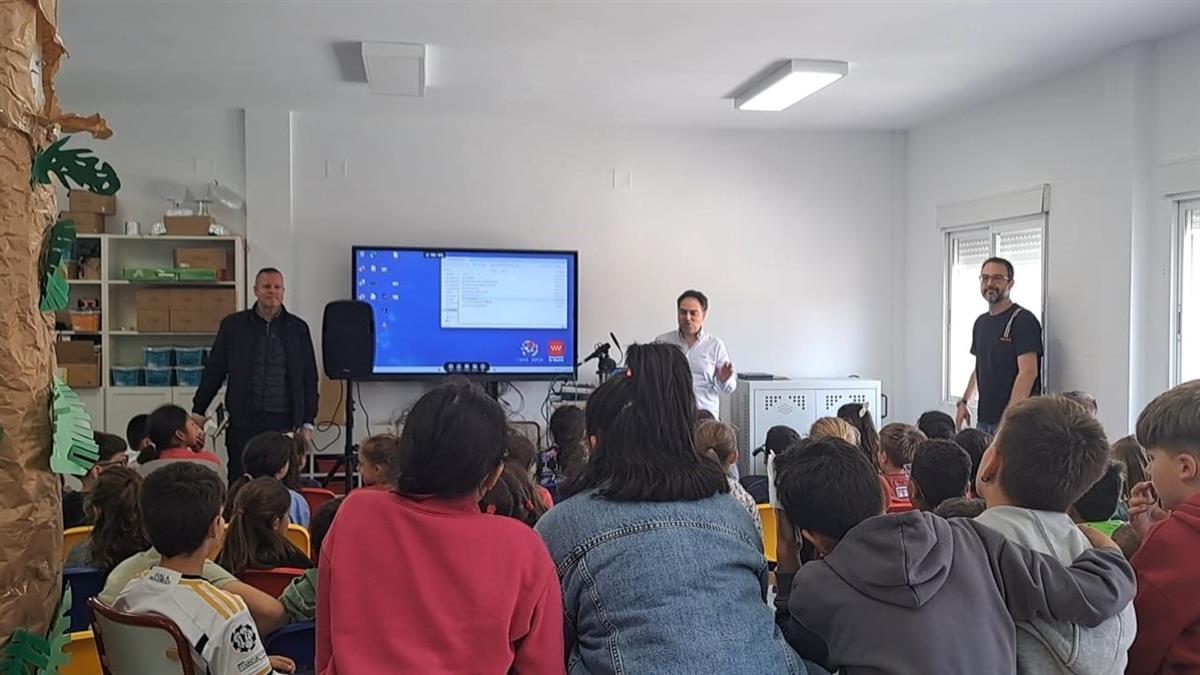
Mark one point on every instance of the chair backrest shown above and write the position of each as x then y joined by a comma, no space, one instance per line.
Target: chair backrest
73,536
133,644
298,642
85,582
770,530
82,654
272,581
316,497
298,535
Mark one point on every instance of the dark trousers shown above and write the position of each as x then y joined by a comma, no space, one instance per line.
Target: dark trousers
241,431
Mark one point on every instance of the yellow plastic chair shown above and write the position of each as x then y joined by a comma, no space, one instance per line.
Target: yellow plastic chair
298,535
73,536
770,530
85,660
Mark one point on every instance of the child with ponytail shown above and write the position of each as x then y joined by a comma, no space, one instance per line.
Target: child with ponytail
255,536
270,454
174,436
118,531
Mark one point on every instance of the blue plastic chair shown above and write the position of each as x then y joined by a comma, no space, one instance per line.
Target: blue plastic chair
298,642
86,582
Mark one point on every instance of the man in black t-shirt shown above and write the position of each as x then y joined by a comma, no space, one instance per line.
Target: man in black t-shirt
1007,345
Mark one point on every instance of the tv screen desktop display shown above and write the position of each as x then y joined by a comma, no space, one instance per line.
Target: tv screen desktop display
497,314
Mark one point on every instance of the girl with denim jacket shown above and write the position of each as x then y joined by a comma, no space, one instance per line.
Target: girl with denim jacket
661,571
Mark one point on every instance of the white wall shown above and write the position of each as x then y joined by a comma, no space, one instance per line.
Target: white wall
151,145
790,234
1097,135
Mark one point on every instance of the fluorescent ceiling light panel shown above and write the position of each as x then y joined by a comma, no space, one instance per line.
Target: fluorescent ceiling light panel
788,84
394,68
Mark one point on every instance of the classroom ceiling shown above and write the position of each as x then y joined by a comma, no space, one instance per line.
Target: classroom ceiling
604,61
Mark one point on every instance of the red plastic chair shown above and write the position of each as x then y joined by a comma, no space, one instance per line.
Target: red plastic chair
274,581
316,497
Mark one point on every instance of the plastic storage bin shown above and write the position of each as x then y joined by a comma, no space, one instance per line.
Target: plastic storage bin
189,356
126,376
158,377
188,376
159,357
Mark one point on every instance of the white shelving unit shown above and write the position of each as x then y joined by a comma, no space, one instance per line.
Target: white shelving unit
121,344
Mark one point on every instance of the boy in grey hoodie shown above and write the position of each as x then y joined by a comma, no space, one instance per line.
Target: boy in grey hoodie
1047,454
913,594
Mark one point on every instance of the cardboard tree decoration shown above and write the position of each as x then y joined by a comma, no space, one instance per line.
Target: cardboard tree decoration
30,496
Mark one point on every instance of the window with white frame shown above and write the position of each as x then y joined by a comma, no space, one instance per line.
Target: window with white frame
1187,293
1021,242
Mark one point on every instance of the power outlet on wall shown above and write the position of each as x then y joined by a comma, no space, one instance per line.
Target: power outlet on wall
622,178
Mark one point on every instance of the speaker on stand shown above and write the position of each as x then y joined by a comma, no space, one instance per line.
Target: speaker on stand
348,353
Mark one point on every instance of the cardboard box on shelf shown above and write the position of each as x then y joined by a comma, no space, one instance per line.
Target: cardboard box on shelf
82,375
195,321
192,226
78,362
204,259
90,269
75,351
153,320
153,299
221,301
90,202
85,322
72,269
85,223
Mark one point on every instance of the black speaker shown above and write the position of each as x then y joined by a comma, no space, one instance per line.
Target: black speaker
348,340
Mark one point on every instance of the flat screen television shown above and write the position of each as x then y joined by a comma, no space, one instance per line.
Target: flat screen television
484,313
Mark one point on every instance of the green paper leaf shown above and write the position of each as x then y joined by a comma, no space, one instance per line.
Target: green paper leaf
74,450
59,636
77,165
55,289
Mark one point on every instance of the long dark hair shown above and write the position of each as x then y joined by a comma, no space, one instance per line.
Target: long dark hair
514,496
119,531
868,438
452,440
161,427
251,541
265,456
645,450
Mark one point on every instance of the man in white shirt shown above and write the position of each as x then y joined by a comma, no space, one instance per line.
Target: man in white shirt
712,372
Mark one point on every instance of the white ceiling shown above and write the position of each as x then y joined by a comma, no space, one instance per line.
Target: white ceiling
657,63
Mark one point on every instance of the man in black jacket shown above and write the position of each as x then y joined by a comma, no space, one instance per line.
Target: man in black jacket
267,356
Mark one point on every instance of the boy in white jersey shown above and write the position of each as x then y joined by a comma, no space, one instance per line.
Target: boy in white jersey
182,506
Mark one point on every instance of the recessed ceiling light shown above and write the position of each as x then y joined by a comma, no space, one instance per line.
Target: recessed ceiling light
791,82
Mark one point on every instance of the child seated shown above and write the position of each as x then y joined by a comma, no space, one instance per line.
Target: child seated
118,531
834,427
377,460
936,425
522,454
256,538
940,471
270,454
975,442
1048,452
718,441
780,438
182,506
300,597
562,461
1168,597
911,593
515,496
113,453
897,445
174,436
1096,507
